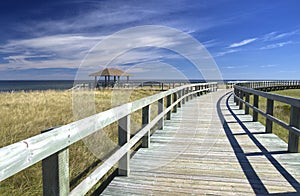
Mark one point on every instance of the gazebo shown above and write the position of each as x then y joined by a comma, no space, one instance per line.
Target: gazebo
110,72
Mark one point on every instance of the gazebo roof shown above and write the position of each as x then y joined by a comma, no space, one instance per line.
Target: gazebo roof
110,72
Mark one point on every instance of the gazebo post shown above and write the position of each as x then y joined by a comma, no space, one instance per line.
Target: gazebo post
95,86
105,83
127,79
108,81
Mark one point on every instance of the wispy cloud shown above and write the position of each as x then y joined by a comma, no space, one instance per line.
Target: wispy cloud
226,52
236,67
242,43
276,35
276,45
268,66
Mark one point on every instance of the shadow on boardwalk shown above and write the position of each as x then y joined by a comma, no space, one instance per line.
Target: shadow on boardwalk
256,183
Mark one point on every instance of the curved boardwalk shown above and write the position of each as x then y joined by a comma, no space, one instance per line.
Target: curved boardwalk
211,147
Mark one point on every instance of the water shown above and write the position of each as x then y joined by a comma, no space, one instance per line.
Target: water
29,85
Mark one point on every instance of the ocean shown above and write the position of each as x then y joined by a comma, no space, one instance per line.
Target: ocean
31,85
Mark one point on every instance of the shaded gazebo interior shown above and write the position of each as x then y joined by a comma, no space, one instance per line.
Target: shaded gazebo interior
108,73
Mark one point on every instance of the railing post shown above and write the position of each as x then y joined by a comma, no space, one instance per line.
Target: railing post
198,88
255,104
269,123
247,101
238,95
182,94
174,100
145,121
160,105
295,122
191,90
241,97
186,92
123,138
235,93
168,104
179,96
55,171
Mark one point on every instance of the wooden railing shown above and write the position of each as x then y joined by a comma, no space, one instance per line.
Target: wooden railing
242,92
51,147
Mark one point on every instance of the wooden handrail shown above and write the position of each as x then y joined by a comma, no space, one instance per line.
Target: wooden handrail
245,89
18,156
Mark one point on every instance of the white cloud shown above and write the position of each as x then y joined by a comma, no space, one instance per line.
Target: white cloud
236,67
268,66
276,45
242,43
95,52
276,35
226,52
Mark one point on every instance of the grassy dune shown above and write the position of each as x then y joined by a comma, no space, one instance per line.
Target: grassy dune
281,111
25,114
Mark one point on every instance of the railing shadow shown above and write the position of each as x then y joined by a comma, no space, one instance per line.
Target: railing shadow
250,173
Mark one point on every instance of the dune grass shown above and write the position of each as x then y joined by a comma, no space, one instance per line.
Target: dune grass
281,111
25,114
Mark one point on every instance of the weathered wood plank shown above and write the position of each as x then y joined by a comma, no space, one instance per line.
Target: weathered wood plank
185,158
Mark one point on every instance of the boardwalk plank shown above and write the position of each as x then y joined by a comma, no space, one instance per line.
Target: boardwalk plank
199,154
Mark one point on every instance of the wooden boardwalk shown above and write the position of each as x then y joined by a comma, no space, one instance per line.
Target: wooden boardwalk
211,147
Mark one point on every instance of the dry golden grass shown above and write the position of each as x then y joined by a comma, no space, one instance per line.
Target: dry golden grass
25,114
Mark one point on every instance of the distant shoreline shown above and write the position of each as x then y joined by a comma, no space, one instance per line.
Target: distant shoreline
40,85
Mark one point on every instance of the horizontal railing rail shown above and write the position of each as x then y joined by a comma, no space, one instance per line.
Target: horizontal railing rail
51,147
242,92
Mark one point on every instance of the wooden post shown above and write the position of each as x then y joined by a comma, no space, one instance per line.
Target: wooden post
255,104
186,92
162,86
198,88
174,100
269,123
235,93
182,94
241,97
55,171
145,121
179,96
238,95
247,100
168,104
160,105
190,90
123,138
295,122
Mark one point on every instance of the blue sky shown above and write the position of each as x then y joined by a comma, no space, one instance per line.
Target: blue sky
247,39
